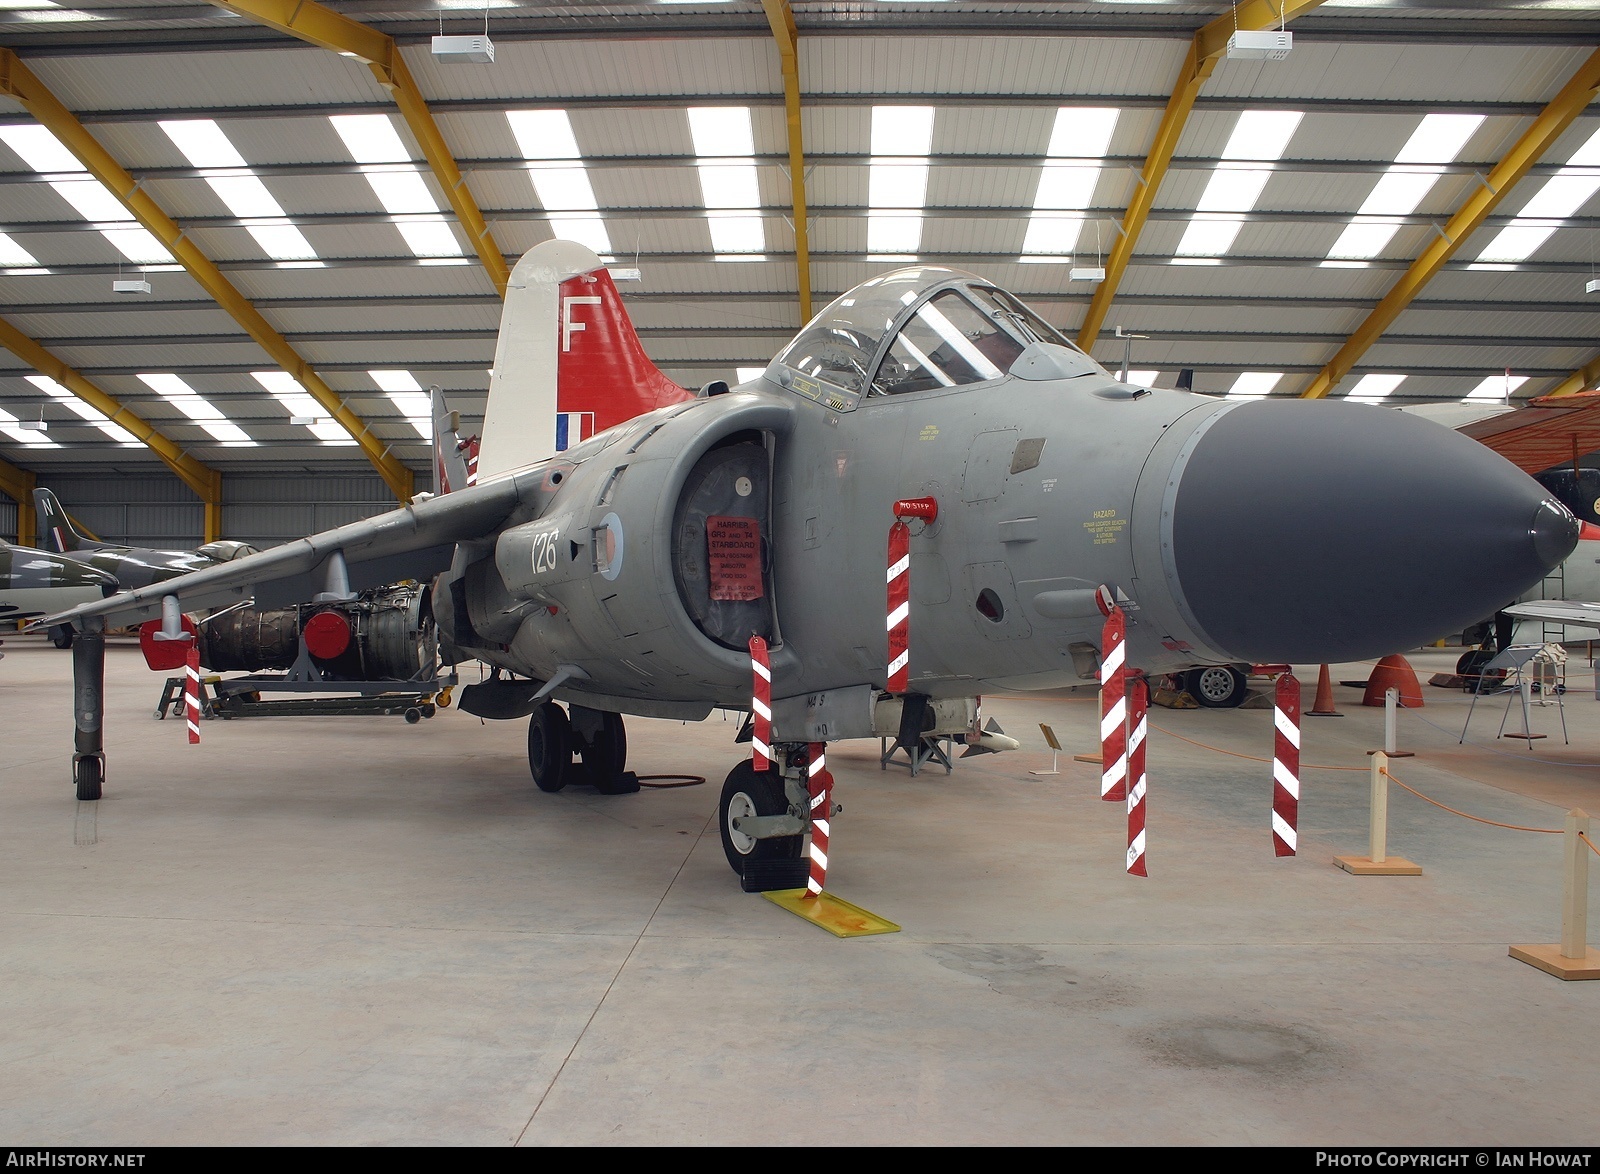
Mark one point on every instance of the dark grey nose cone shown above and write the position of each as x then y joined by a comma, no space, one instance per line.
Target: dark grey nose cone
1317,532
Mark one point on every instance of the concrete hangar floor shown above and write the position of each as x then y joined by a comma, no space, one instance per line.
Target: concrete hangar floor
355,931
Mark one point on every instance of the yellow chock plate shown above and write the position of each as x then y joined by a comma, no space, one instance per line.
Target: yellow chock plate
837,916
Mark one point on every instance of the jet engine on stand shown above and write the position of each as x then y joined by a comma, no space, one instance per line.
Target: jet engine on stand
380,645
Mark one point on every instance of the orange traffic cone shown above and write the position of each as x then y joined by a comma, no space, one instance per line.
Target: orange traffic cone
1394,672
1323,706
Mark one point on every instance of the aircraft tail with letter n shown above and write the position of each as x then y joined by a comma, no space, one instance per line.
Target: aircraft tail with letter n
64,536
568,363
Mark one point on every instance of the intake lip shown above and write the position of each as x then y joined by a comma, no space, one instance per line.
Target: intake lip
1318,532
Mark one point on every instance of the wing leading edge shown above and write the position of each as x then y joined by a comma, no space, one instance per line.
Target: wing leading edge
373,545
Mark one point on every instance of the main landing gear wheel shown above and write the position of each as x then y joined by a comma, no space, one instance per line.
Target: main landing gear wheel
1216,686
550,748
605,759
747,793
61,635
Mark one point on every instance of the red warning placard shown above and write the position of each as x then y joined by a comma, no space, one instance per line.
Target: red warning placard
734,545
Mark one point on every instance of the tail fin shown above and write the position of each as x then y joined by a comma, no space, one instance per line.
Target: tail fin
63,536
567,364
455,461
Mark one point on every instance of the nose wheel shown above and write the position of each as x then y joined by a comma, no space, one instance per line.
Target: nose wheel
746,794
1217,686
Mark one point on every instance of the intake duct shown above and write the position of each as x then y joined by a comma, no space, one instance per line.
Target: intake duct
721,558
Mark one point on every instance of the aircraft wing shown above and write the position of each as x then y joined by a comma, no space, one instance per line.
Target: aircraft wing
373,549
1549,431
1561,611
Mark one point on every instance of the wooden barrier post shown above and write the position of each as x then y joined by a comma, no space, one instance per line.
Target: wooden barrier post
1377,861
1378,838
1571,958
1575,886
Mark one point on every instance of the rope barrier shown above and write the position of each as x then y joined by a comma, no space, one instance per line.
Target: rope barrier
1314,766
1250,757
1585,838
1516,827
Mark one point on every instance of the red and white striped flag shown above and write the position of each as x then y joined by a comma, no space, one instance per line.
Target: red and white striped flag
899,623
191,693
1113,708
1138,705
819,784
1286,766
760,705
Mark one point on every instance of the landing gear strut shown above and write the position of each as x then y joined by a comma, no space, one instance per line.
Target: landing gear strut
88,709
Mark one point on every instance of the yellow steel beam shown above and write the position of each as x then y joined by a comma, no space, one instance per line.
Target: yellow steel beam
1208,45
1525,152
203,479
1583,379
19,82
781,17
17,484
322,26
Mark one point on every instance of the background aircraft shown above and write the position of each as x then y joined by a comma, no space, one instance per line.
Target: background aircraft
34,583
131,566
627,574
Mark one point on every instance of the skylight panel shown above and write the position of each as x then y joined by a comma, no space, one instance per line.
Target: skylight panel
1373,388
1259,136
47,12
897,179
203,142
373,142
430,238
1254,384
11,253
40,149
1067,181
206,145
10,425
202,411
286,389
546,136
564,189
75,405
406,394
1558,199
45,153
1496,387
746,374
370,138
902,130
1142,378
1438,139
1262,134
721,130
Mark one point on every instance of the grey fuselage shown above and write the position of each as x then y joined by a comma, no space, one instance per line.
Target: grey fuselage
1237,531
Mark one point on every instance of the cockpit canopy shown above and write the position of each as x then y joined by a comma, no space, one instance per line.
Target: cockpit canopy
916,329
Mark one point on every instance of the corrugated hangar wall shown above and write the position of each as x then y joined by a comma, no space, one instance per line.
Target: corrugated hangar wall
261,508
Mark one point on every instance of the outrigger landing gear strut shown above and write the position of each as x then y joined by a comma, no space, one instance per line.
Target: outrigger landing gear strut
89,708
